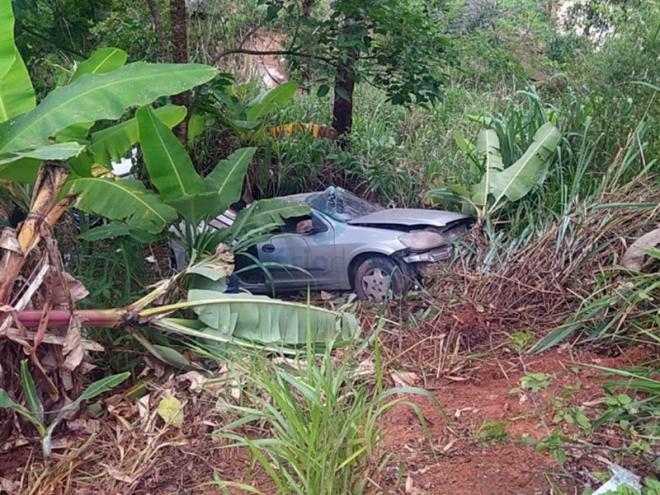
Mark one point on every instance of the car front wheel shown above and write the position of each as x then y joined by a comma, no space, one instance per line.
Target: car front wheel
378,278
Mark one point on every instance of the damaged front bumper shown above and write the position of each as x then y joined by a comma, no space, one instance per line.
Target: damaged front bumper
436,255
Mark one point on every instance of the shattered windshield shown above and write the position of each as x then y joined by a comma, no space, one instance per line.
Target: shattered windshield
341,204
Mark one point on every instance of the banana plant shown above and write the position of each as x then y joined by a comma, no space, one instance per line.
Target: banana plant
220,103
56,131
185,200
34,412
501,184
225,320
53,148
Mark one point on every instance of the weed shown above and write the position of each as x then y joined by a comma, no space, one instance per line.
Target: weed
633,402
492,432
535,382
573,415
522,340
554,444
321,423
34,412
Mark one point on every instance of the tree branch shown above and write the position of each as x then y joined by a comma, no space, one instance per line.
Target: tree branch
72,51
290,53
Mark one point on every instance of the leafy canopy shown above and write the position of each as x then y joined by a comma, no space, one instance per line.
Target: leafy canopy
396,44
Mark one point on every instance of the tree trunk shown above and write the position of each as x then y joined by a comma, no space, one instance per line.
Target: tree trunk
306,66
44,212
179,22
342,110
158,29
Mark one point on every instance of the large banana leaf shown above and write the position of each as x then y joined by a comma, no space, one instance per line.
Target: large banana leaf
122,200
23,166
197,207
114,230
226,179
57,151
516,181
24,170
101,61
266,102
114,142
488,152
265,213
269,321
169,166
16,92
99,96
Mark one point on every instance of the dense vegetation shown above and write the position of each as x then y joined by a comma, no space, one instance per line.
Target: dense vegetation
416,103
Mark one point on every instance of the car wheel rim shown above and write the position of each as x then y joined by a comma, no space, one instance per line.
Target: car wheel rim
376,284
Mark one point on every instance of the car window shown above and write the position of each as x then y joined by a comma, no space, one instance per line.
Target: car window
291,224
340,204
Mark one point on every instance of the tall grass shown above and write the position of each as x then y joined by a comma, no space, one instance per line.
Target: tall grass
315,422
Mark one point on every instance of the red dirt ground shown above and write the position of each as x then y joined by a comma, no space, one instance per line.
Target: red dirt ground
130,455
463,464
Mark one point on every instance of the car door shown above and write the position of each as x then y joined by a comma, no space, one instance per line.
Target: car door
296,261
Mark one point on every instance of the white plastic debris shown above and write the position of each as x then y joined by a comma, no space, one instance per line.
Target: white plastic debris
620,477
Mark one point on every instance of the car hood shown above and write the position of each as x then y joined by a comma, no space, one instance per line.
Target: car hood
409,217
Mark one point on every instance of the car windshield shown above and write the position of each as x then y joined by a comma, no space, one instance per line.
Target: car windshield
340,204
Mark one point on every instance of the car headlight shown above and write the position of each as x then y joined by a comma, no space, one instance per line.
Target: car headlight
422,240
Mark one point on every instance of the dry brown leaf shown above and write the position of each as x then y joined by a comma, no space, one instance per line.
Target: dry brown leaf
9,241
61,294
196,379
404,378
365,368
73,349
449,444
118,475
10,487
87,426
409,484
633,258
143,406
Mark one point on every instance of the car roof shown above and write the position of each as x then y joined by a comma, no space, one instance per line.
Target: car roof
300,198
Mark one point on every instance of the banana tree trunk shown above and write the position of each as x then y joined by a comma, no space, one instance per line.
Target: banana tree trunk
44,213
99,318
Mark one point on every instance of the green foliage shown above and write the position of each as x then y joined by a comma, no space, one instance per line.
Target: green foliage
555,444
633,401
125,200
16,93
535,382
170,168
261,319
573,415
522,340
492,432
513,182
223,103
395,45
321,423
113,142
35,413
617,309
96,97
101,61
127,25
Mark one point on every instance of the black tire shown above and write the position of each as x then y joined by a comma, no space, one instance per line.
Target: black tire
378,278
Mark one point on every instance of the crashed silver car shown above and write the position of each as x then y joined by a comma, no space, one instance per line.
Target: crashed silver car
347,243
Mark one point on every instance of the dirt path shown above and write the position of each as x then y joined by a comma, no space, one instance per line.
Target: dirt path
482,448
